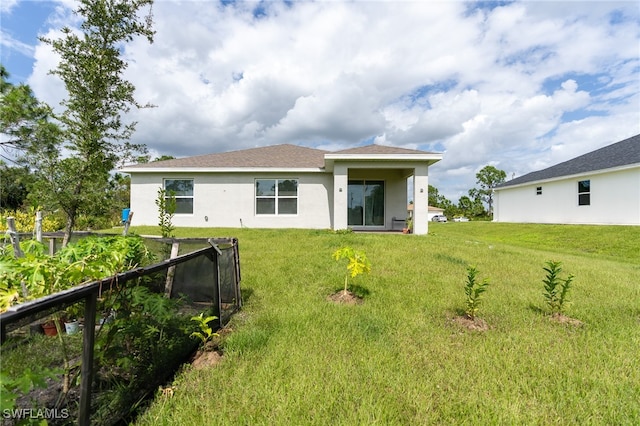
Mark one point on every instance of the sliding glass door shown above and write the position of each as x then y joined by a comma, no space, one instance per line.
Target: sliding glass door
366,203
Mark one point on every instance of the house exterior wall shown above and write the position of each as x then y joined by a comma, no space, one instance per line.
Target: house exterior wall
420,198
340,190
226,199
615,199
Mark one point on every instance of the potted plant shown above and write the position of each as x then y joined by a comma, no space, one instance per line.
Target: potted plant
72,316
49,328
409,227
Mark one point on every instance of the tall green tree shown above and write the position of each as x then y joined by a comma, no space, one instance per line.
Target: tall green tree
25,122
14,186
436,199
488,178
96,137
470,207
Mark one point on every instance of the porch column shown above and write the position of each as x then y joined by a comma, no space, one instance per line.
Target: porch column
420,200
340,189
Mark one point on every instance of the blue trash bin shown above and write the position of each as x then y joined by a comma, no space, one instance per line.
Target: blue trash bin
125,215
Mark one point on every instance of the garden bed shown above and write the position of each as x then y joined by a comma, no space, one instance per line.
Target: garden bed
140,339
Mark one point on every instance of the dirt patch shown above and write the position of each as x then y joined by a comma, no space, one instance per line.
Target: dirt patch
563,319
476,324
345,298
206,359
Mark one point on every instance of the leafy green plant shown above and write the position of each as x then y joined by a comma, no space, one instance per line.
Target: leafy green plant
38,274
74,311
205,333
143,340
25,221
556,288
166,203
357,263
473,290
11,388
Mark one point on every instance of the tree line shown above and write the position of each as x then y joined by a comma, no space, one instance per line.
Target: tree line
479,201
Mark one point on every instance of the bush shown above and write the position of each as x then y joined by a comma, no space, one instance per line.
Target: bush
90,258
473,290
25,221
556,288
88,223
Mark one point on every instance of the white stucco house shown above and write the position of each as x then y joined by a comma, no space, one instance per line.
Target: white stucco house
600,187
287,186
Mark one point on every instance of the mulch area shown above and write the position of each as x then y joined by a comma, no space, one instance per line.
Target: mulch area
345,298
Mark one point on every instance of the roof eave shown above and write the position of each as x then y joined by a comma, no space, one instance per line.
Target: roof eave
384,157
331,159
573,176
222,170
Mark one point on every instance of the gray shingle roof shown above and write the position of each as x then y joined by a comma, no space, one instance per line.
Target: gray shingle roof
380,149
619,154
275,156
286,156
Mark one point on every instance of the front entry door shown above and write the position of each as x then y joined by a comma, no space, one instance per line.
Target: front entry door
366,203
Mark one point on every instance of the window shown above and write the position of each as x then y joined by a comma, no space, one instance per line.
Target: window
182,190
276,196
365,203
539,190
584,193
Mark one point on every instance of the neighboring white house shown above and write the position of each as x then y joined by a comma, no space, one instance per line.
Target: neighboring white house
431,211
287,186
601,187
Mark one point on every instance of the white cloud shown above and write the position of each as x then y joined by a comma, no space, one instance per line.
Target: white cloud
491,85
10,43
7,5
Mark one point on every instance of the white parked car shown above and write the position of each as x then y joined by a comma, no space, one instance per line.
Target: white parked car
439,218
460,219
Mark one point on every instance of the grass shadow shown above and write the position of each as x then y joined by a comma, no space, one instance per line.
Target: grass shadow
246,293
359,291
451,259
354,289
537,309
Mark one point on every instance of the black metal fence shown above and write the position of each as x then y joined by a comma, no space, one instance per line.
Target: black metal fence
206,279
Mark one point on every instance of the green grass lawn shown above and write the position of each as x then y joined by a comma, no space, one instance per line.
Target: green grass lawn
293,358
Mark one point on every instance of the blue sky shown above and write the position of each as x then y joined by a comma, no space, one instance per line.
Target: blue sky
518,85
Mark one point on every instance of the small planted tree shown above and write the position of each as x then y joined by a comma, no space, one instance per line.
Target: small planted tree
556,288
473,290
357,263
206,332
166,203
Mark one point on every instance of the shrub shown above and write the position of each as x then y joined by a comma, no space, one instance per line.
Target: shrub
473,291
90,258
205,333
89,222
556,288
25,221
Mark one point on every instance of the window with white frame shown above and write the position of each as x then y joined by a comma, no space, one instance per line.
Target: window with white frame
584,193
182,190
276,196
